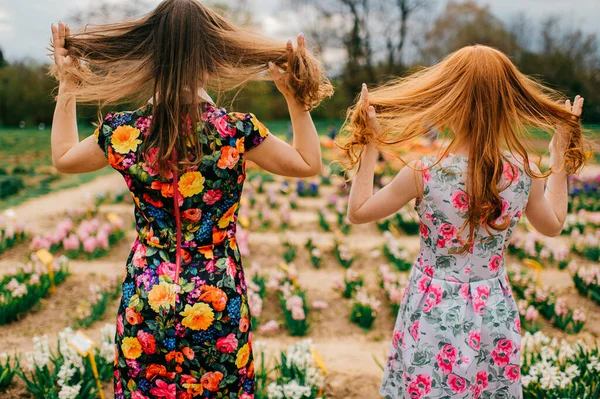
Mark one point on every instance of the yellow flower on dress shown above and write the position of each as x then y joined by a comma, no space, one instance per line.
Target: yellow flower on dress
262,129
125,139
162,296
227,217
97,133
243,356
197,317
191,183
131,347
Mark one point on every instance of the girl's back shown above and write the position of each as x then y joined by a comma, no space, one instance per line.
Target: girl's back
443,209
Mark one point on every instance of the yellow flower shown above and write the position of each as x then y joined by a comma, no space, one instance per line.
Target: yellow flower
197,317
131,347
125,139
97,133
262,129
243,356
191,183
162,296
227,217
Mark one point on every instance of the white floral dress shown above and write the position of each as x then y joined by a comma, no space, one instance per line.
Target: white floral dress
458,332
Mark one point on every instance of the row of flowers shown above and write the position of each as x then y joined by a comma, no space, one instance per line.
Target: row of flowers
553,369
91,237
298,373
398,256
92,308
292,298
587,281
534,246
364,308
62,373
581,220
546,303
23,287
12,230
583,193
587,244
406,220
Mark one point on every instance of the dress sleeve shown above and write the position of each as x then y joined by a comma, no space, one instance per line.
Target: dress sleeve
250,132
103,134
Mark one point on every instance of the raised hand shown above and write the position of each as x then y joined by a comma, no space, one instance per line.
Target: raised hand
560,141
281,77
372,122
61,58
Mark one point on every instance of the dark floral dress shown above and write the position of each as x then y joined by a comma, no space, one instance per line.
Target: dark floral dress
183,326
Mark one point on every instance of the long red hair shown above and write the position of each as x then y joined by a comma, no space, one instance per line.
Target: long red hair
478,97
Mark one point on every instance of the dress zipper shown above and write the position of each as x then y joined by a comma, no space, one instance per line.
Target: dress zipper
177,221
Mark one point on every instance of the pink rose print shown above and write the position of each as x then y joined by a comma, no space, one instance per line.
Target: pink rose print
474,339
396,338
428,270
444,364
501,359
511,172
164,390
423,283
222,125
505,345
464,291
457,384
512,372
227,344
424,383
414,330
212,196
460,200
424,230
448,231
426,175
434,297
495,263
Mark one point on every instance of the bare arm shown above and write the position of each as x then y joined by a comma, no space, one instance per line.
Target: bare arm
364,206
303,159
68,154
547,207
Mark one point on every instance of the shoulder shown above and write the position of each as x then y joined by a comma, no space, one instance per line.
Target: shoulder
242,127
122,131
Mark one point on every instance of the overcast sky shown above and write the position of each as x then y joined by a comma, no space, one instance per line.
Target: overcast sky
25,24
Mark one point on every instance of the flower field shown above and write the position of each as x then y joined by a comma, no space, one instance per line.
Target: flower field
323,294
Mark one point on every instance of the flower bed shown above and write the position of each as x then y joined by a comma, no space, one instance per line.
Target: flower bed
587,281
93,308
293,300
92,238
547,303
64,373
348,284
343,254
12,230
534,246
397,255
364,309
552,369
587,244
22,288
298,373
393,284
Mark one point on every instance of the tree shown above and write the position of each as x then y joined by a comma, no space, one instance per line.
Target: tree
462,24
2,60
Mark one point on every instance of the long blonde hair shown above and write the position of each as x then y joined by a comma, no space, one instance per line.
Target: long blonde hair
479,98
178,48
